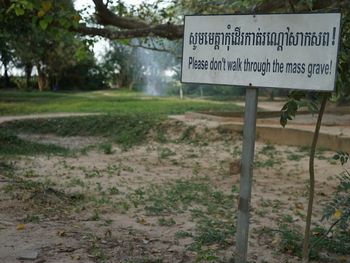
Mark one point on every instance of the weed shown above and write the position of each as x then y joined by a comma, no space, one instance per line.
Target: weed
35,219
113,190
122,206
108,222
95,216
166,222
111,169
106,148
145,260
294,157
188,134
291,239
267,157
10,144
76,182
183,234
214,231
95,249
30,174
7,168
165,153
93,173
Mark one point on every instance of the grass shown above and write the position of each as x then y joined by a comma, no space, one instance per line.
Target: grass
16,103
212,210
128,117
10,144
267,157
127,130
291,240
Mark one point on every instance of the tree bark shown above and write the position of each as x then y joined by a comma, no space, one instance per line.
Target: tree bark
306,244
42,79
6,76
28,71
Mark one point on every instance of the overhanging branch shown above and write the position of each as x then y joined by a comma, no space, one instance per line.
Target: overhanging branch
168,31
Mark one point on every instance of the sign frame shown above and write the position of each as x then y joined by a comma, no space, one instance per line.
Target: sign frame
337,48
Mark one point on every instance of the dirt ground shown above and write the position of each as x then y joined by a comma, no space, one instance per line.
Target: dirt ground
92,206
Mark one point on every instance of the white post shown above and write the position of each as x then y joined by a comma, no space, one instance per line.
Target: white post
251,103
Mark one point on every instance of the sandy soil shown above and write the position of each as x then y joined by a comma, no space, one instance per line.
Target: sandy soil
93,230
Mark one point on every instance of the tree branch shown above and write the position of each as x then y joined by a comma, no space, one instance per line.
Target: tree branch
105,16
134,27
169,31
154,48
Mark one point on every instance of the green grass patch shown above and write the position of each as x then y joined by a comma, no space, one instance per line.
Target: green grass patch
16,103
126,130
10,144
212,210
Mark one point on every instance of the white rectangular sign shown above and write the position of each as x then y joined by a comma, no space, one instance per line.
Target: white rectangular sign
294,51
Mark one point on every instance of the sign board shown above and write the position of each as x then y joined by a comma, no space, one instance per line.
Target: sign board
294,51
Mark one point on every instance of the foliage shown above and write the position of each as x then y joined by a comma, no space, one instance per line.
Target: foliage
33,43
339,208
342,93
297,100
122,66
83,74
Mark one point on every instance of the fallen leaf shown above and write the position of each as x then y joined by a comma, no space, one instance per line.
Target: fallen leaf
21,226
142,221
75,257
299,206
338,213
61,233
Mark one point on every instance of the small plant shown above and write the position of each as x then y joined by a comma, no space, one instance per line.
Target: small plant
267,157
107,148
183,234
30,174
76,182
92,173
165,153
95,216
95,249
339,206
166,222
294,157
113,190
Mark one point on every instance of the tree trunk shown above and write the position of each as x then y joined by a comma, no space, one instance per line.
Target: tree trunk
306,244
28,71
42,79
181,93
131,85
6,76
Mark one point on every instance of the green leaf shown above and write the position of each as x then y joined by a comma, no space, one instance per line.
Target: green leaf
19,11
43,24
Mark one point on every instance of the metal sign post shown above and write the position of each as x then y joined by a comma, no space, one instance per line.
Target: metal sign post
251,102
